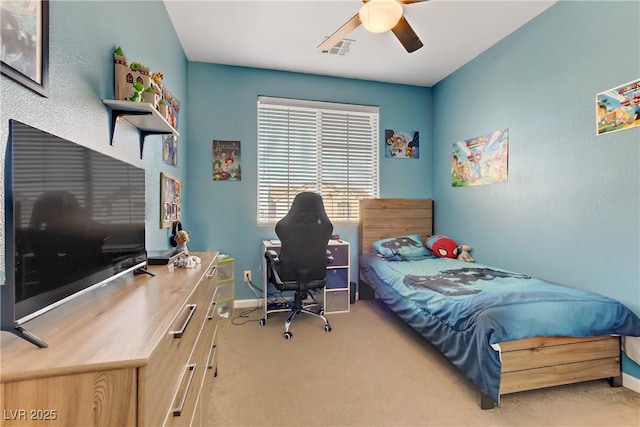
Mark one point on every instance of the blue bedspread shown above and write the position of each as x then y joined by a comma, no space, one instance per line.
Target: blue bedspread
463,308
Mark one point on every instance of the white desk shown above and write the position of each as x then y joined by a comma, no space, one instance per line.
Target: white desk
335,297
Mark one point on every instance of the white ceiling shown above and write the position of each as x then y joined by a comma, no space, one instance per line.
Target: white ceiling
283,35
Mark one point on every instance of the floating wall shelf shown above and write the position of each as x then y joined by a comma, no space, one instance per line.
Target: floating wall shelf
141,115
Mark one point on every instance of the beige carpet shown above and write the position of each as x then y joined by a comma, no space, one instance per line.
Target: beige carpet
373,370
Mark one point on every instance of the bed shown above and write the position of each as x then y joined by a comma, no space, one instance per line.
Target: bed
505,331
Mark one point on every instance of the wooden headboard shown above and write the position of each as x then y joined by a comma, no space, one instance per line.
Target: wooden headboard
381,218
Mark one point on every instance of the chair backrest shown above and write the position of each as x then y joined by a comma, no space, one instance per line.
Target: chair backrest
304,234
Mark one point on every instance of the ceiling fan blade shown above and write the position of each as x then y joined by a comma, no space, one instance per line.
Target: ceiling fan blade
340,33
407,36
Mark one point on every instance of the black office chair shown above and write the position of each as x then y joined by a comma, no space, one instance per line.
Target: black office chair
301,265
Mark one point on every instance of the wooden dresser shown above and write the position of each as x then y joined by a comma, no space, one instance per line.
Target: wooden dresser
139,351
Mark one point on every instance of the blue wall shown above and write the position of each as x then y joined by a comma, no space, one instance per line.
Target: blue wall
83,36
570,211
223,105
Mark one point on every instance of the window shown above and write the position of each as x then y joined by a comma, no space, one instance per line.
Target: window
315,146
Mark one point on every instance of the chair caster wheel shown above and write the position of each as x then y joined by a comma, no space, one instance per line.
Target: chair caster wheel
263,322
327,328
288,335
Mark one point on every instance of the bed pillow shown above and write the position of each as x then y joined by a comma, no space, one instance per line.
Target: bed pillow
402,248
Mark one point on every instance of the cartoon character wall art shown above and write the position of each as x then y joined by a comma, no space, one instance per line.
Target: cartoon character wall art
618,108
170,150
481,160
402,144
226,161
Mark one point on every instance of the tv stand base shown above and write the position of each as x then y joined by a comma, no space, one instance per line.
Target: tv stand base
28,336
143,271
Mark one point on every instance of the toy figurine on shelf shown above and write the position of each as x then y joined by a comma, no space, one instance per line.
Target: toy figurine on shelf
149,95
157,79
136,95
120,73
163,108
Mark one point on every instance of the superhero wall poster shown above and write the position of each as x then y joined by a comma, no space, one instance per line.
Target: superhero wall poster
618,108
481,160
402,144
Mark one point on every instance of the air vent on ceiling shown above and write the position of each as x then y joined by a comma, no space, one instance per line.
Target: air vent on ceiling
341,48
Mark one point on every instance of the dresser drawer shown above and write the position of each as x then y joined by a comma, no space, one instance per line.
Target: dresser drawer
211,360
167,365
183,404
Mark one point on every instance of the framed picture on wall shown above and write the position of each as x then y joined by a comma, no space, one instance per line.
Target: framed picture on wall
226,161
481,160
171,200
25,43
402,144
170,150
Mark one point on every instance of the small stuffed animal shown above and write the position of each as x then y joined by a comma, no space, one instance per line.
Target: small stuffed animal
464,253
445,247
184,260
182,238
442,246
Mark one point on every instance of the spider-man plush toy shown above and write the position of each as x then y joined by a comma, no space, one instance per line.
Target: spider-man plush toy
442,246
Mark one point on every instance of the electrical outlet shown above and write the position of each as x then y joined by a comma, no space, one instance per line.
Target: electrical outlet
247,276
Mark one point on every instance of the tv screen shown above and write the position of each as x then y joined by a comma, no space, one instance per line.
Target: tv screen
74,218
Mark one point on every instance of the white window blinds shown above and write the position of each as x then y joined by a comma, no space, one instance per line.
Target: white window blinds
316,146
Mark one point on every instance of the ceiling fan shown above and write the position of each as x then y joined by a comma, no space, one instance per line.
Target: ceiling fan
379,16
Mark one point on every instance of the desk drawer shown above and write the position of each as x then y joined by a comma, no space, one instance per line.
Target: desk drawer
337,278
225,269
340,255
336,301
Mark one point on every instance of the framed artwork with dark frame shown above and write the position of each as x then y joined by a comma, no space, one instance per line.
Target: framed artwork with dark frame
171,200
25,43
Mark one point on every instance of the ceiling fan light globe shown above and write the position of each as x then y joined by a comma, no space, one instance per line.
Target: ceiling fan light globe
379,16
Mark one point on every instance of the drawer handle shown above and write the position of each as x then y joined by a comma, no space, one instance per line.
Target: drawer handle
212,272
191,309
212,351
177,410
212,310
212,356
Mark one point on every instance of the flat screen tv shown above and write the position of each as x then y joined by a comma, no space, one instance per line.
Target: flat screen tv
75,219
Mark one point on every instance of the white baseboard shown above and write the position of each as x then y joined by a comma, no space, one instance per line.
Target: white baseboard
630,382
247,303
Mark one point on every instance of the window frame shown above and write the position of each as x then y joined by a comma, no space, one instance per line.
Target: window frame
362,132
